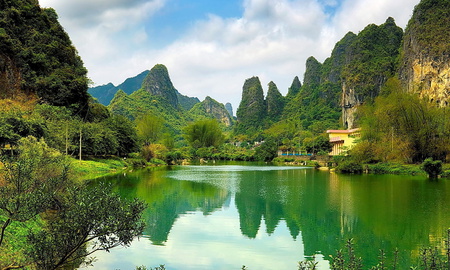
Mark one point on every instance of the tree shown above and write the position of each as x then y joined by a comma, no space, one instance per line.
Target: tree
267,151
125,133
26,181
319,144
403,126
204,133
149,128
36,189
89,215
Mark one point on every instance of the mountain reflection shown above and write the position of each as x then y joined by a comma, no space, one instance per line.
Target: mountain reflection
379,212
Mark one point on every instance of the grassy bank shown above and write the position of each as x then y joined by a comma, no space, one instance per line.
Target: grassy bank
94,168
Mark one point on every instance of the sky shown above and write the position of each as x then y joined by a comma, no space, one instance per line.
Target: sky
210,47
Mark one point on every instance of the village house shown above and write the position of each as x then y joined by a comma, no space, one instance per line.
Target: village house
342,140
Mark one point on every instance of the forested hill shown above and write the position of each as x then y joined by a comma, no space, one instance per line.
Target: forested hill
37,56
158,97
105,93
356,71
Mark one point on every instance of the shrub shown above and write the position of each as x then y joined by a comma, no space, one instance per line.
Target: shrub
158,151
350,166
432,168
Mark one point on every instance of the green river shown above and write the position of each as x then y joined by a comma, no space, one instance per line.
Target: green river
271,217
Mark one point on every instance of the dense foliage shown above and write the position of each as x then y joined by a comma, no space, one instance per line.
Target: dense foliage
211,109
401,126
252,109
432,167
372,58
429,28
275,103
32,40
204,133
105,135
38,192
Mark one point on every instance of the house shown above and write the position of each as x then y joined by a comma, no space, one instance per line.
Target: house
342,140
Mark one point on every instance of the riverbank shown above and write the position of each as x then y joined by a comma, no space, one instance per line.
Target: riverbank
98,167
324,163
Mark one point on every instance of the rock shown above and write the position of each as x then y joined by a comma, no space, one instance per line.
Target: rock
158,83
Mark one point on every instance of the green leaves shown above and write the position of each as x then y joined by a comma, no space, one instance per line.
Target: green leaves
36,185
93,215
204,133
47,62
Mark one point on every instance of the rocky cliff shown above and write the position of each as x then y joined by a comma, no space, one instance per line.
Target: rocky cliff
210,108
425,65
229,108
252,108
158,83
359,66
275,102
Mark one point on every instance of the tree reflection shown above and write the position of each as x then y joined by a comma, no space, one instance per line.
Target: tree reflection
379,212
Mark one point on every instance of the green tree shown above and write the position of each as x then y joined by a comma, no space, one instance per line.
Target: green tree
16,124
149,128
405,127
89,215
319,144
125,133
204,133
267,151
37,190
33,41
432,168
26,179
97,139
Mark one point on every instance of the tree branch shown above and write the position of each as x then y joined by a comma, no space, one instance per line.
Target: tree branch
2,233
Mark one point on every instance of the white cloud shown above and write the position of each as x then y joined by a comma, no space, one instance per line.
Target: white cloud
272,39
106,33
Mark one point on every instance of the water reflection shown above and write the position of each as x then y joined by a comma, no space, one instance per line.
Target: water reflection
319,209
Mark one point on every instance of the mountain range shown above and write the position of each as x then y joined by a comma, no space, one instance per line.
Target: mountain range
37,58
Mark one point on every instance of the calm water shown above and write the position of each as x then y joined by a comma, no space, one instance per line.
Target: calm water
267,217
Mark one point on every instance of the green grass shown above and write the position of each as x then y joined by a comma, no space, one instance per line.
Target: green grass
94,168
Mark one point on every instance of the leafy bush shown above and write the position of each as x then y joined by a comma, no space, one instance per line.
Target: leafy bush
350,166
267,151
432,168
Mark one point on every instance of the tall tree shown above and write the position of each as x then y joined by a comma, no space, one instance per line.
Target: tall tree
149,128
204,133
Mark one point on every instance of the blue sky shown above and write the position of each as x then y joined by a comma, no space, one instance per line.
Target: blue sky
211,46
177,16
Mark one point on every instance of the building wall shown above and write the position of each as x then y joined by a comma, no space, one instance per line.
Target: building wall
342,140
